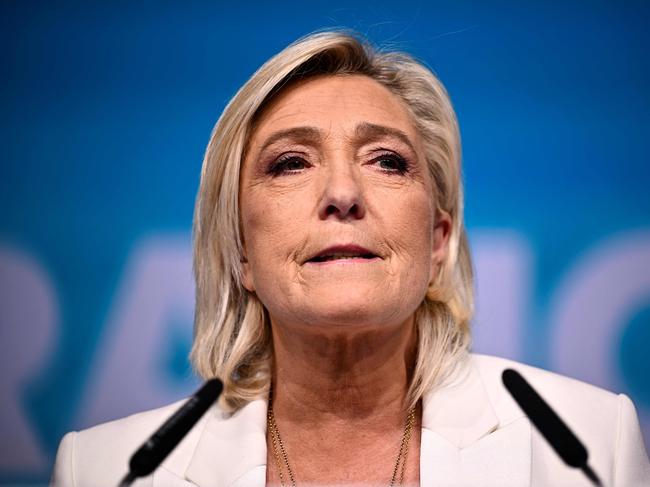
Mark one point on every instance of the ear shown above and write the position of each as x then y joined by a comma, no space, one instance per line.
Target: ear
247,275
441,232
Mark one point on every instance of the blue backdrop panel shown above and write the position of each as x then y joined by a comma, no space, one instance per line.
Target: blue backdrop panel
105,115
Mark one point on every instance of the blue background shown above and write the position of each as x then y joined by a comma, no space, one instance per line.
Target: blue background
106,112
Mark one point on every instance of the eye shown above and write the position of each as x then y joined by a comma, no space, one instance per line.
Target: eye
392,163
287,164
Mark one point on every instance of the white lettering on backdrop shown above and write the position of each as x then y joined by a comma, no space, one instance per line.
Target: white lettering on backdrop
154,304
28,333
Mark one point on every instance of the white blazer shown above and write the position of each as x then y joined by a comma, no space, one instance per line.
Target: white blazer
473,433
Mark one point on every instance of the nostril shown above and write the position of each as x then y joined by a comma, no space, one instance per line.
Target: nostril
343,209
352,210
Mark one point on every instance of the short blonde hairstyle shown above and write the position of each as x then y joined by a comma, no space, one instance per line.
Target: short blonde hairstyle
232,338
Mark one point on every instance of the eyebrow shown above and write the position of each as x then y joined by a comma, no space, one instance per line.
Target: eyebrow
310,134
364,132
369,131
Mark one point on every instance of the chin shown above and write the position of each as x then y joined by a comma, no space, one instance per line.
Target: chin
342,307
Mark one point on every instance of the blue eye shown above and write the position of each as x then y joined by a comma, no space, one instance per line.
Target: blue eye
287,164
392,163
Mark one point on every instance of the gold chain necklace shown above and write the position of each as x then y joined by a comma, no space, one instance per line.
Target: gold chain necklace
280,453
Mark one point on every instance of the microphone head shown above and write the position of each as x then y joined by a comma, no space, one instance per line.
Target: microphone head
150,455
547,422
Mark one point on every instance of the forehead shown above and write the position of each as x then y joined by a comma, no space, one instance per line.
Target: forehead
333,103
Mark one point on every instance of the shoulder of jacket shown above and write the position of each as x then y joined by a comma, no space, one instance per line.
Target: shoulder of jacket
491,368
605,422
579,403
130,427
103,451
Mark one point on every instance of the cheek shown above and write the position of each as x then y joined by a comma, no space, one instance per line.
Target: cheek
417,215
411,230
269,226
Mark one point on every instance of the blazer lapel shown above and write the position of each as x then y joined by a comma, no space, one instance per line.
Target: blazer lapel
472,434
466,440
231,449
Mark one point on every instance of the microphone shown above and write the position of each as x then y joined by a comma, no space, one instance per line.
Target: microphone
152,453
548,423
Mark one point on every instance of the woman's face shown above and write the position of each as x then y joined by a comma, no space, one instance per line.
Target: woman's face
339,222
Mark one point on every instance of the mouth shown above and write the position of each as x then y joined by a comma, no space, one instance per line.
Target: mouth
342,253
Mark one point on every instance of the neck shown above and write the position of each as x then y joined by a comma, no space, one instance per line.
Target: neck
322,377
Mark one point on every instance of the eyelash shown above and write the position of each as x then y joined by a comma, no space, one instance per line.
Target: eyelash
402,164
279,166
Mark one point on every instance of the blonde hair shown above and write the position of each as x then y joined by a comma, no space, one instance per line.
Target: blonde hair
232,337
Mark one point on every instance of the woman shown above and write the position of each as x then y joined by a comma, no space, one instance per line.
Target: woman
334,293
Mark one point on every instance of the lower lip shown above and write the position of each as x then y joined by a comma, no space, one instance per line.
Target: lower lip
350,261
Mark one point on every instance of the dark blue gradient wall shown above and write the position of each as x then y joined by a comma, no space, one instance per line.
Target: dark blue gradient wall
105,114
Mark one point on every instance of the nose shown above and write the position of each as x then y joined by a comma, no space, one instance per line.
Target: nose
342,196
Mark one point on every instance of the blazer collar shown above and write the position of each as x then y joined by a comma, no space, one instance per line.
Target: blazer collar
467,408
460,410
473,433
229,446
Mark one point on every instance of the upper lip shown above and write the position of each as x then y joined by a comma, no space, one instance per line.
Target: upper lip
346,249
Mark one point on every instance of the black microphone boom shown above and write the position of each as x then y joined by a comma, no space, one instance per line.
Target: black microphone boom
548,423
150,455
